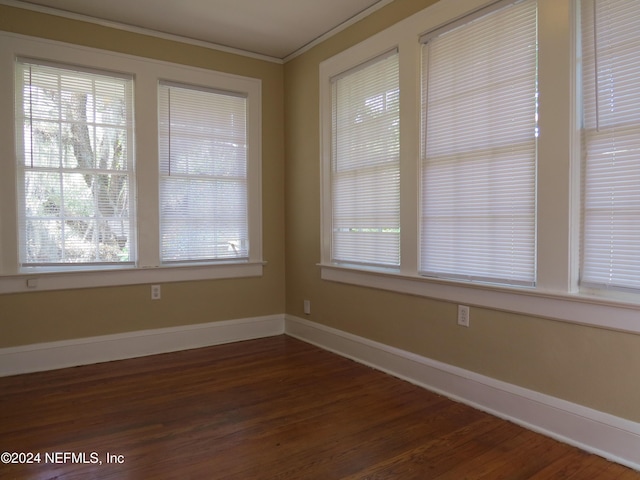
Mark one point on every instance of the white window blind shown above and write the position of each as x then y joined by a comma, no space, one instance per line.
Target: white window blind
75,166
610,253
203,174
365,168
479,149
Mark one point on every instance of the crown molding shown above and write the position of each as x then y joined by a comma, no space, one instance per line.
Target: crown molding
139,30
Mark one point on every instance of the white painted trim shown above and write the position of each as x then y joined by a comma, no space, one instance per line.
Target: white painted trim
614,438
570,307
106,348
132,276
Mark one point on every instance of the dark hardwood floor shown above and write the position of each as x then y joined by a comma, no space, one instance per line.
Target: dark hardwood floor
274,408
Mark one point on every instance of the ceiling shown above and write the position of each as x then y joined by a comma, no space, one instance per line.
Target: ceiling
273,28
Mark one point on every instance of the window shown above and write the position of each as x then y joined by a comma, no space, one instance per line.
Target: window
474,217
610,254
490,195
75,166
365,160
203,174
479,91
101,173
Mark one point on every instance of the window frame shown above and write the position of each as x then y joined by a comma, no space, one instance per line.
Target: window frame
556,294
359,171
147,73
597,255
25,167
169,176
487,217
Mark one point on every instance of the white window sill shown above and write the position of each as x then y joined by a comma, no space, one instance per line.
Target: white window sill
62,280
570,307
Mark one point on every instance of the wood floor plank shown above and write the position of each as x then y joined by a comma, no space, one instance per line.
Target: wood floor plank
273,408
567,466
440,453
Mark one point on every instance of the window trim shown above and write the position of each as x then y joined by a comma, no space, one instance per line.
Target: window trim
581,309
147,73
556,294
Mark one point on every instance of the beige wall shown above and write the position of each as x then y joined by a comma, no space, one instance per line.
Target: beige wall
58,315
589,366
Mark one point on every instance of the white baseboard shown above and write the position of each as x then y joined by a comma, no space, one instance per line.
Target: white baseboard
84,351
606,435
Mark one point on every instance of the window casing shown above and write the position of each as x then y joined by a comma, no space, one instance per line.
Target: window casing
139,261
555,291
477,182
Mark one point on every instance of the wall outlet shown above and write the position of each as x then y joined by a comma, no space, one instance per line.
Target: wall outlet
155,292
307,307
463,315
